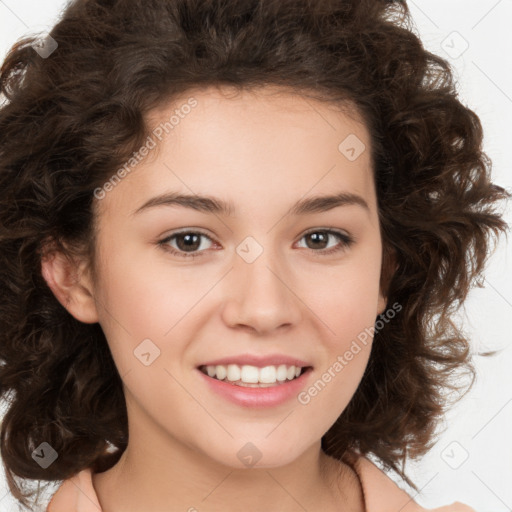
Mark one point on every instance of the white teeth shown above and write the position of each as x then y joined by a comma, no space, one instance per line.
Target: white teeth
221,372
252,374
281,372
268,374
233,372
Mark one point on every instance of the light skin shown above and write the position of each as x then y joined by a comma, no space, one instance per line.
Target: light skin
262,152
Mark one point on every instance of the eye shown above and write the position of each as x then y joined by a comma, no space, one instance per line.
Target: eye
187,243
320,238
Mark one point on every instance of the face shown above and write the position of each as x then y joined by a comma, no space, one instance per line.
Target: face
183,283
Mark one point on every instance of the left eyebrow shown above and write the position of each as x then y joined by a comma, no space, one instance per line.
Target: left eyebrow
324,203
209,204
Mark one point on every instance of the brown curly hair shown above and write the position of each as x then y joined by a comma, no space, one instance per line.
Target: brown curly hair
69,120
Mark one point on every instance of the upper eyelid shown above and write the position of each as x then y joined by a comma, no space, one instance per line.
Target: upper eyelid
307,232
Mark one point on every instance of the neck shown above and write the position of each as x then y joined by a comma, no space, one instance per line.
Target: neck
158,473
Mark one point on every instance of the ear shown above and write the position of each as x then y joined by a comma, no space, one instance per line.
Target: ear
70,282
382,303
388,269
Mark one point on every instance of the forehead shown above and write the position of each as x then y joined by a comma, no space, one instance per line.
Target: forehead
248,145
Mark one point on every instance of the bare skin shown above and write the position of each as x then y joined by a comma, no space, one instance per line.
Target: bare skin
263,153
340,489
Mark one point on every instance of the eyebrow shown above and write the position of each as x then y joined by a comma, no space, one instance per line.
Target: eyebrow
209,204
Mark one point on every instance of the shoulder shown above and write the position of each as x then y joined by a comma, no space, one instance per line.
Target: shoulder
75,494
382,494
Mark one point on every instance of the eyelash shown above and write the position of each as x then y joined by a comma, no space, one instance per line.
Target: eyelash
346,242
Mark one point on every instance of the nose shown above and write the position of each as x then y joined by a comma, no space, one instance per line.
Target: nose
261,296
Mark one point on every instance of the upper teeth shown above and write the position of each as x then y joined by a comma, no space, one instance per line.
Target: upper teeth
253,374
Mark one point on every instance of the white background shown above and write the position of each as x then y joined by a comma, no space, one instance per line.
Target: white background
480,427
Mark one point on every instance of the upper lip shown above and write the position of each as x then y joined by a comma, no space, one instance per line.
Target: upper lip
259,361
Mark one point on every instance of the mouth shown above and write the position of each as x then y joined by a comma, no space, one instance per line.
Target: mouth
254,376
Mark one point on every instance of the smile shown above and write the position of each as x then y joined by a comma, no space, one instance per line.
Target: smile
252,376
255,394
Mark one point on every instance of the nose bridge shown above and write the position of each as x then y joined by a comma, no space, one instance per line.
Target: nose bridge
262,299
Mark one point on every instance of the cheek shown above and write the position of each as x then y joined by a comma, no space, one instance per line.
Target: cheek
345,300
141,290
138,301
350,310
346,317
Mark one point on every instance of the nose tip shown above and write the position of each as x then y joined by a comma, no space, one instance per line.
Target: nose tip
262,300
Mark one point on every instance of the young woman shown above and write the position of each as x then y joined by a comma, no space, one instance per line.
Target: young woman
233,234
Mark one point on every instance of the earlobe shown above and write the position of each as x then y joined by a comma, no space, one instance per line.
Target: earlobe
70,285
383,301
388,269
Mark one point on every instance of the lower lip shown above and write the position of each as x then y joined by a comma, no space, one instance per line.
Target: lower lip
257,397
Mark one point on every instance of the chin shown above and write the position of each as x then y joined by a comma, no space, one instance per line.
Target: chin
259,454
